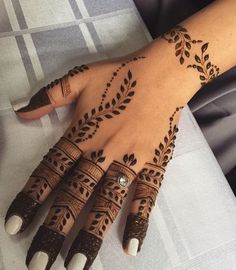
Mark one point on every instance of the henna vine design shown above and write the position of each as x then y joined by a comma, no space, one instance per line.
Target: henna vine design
183,41
87,126
148,185
97,156
180,36
41,98
207,70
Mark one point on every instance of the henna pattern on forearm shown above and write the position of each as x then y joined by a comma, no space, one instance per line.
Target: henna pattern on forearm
203,65
86,127
148,185
107,205
41,98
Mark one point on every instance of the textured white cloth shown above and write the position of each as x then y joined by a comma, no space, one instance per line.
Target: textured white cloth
193,225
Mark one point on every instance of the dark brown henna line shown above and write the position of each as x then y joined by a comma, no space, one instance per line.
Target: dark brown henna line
91,119
115,73
207,70
179,34
65,86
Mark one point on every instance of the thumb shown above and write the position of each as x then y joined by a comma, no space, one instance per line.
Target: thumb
58,93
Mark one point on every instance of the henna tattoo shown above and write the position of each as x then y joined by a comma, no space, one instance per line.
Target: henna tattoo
86,127
203,65
129,160
110,197
41,98
38,100
148,184
65,86
207,70
97,156
182,40
23,206
73,196
48,241
43,180
85,243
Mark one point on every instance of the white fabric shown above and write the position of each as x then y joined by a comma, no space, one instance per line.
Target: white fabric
193,225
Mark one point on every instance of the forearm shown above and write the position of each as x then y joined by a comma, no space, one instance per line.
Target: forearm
198,52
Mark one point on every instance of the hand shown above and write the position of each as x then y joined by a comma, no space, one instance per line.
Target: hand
100,149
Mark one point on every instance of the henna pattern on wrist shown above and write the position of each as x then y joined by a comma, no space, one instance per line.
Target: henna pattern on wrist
179,35
203,65
41,98
86,127
148,184
207,70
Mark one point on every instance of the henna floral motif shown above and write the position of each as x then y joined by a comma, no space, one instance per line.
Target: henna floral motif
148,185
183,42
207,70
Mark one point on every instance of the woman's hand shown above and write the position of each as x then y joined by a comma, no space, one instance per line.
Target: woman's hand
123,132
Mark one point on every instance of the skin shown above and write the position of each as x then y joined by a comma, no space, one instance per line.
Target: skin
102,140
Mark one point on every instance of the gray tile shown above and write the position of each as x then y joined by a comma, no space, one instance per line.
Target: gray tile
5,25
105,6
60,49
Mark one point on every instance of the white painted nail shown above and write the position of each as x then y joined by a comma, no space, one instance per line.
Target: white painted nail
13,225
132,246
20,105
77,262
39,261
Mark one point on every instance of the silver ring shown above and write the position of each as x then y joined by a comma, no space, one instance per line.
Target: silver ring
121,179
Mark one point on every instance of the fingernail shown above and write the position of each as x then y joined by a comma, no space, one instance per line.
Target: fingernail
13,225
77,262
20,105
132,246
39,261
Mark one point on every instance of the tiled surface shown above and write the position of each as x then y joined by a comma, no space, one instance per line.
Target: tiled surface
192,224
